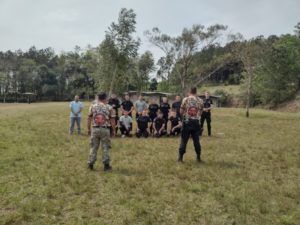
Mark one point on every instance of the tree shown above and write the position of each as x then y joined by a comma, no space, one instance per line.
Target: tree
279,76
120,46
250,54
145,65
179,51
153,84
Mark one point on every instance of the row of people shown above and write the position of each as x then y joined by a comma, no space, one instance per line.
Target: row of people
101,117
150,126
139,106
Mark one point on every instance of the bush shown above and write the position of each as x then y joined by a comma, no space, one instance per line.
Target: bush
224,96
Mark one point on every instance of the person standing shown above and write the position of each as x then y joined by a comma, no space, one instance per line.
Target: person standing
191,109
101,116
206,114
176,105
140,105
75,115
115,104
127,105
165,108
152,112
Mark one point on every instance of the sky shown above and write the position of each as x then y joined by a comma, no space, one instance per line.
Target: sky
63,24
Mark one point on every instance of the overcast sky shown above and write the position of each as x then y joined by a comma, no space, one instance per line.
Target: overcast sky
62,24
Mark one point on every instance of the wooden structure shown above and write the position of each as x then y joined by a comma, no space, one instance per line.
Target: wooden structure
215,99
150,94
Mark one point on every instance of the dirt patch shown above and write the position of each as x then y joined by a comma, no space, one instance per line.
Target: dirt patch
291,106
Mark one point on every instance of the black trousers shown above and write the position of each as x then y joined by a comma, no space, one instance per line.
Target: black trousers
206,116
124,131
142,133
161,134
190,128
175,132
166,118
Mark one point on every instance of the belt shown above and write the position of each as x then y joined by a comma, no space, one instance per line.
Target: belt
101,126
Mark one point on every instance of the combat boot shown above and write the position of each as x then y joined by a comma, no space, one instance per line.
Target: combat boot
90,166
198,159
180,158
107,167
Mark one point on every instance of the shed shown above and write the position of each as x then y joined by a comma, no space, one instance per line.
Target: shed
150,94
215,99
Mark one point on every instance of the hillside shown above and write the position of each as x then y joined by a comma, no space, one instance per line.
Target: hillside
250,173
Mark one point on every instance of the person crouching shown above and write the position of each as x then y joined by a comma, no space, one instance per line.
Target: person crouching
125,124
143,125
176,124
159,125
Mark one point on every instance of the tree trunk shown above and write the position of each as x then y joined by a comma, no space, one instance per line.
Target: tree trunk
248,93
113,80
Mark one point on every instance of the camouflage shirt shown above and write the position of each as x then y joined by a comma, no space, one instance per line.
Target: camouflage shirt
192,107
101,114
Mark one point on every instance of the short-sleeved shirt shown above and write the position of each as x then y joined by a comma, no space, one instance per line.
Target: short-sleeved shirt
126,121
159,122
127,105
207,102
142,122
174,121
153,108
115,103
75,107
101,114
140,106
164,108
192,107
176,107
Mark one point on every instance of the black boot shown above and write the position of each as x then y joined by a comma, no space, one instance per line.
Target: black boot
90,166
107,167
198,159
180,158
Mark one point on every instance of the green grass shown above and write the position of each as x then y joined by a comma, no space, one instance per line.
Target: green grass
230,89
251,173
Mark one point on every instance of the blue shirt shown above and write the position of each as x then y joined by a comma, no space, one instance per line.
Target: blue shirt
75,107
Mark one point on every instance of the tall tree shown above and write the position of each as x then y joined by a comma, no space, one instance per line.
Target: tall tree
120,45
179,51
250,53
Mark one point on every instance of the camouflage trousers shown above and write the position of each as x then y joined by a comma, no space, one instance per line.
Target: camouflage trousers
100,136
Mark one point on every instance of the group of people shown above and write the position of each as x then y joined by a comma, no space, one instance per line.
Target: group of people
152,119
184,117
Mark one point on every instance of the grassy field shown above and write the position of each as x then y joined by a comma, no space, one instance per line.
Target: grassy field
251,173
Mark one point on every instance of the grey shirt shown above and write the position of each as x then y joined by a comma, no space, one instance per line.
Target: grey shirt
127,121
140,106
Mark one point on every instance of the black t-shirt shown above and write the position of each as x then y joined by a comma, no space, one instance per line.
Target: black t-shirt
174,121
207,102
127,105
115,103
164,108
153,108
176,107
142,122
158,123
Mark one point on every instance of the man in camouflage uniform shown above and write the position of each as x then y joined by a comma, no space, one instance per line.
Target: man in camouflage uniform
101,117
191,109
